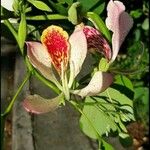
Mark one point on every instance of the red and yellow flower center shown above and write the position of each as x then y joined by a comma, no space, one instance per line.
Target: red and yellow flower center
56,41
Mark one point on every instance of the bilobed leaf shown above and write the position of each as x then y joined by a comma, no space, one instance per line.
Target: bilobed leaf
40,5
72,13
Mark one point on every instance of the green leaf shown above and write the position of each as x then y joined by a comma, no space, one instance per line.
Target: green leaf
72,13
100,120
47,17
40,5
99,9
136,13
59,8
22,32
121,125
5,14
123,80
87,4
107,146
125,105
141,103
103,65
117,97
99,24
17,4
145,24
125,139
69,2
124,85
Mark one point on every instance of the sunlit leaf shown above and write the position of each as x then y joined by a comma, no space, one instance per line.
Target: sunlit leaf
22,32
40,5
100,120
123,80
72,13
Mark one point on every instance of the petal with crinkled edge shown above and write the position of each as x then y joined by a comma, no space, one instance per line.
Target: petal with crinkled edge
99,83
55,40
119,22
38,105
78,52
40,59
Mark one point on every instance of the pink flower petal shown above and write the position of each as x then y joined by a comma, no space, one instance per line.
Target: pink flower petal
38,105
78,52
40,59
119,22
99,83
97,42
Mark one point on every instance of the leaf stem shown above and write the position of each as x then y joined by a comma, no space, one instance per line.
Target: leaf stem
11,28
47,17
15,96
76,106
9,108
46,82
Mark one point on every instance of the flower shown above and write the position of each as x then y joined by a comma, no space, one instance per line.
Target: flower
67,54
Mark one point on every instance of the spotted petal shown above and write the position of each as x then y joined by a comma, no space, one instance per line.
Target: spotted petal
97,42
40,59
119,22
99,83
55,40
38,105
78,52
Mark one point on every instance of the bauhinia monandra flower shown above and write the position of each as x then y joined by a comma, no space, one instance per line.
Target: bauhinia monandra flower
66,54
